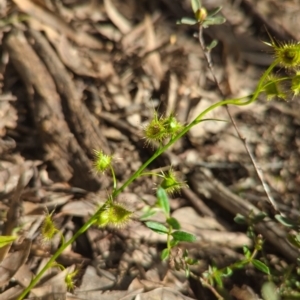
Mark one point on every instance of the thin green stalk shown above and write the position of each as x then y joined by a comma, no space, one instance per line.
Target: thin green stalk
137,173
114,178
59,251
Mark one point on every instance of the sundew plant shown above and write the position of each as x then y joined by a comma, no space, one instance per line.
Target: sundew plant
161,133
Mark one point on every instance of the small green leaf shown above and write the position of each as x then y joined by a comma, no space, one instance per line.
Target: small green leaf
148,213
286,221
196,5
294,239
213,21
157,227
214,11
212,45
247,252
187,272
6,240
174,223
163,200
240,265
187,21
269,291
173,243
218,280
185,253
259,217
227,272
191,261
165,254
183,236
259,265
239,219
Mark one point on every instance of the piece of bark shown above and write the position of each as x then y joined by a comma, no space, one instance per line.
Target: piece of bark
60,146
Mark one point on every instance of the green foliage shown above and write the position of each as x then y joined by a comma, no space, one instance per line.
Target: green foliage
269,291
202,17
114,214
170,184
6,240
260,266
163,132
162,200
102,161
174,223
165,254
182,236
286,221
157,227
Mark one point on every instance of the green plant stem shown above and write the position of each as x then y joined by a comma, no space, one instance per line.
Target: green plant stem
158,152
59,251
114,178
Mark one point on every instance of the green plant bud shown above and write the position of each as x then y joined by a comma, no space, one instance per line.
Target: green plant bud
155,131
48,229
295,87
115,215
201,14
69,280
171,125
170,183
102,162
287,54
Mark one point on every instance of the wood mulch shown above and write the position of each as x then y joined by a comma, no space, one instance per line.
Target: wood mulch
76,76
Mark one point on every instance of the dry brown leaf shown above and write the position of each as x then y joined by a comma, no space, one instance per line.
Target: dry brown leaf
14,213
162,293
243,293
108,295
207,127
12,293
81,61
80,208
194,220
10,173
153,60
208,229
54,21
11,264
8,114
24,275
92,281
54,286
